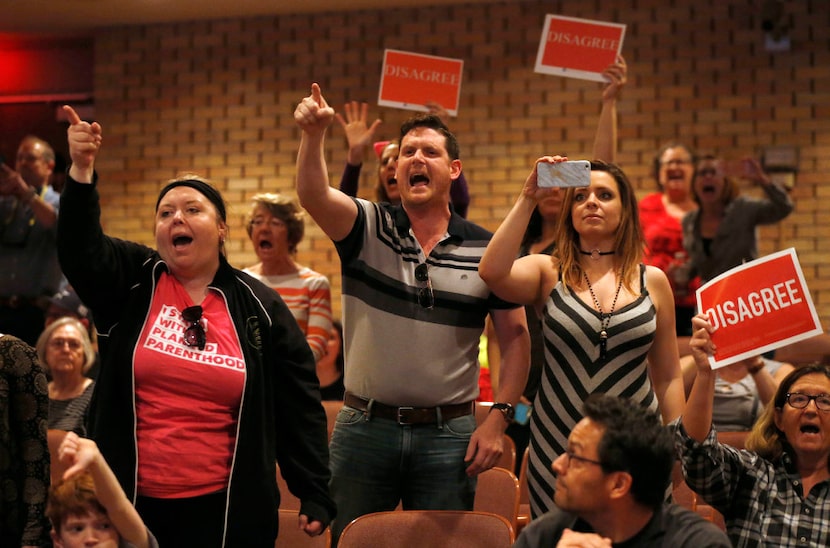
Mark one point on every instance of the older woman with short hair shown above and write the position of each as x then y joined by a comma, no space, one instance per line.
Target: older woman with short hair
276,226
66,353
777,492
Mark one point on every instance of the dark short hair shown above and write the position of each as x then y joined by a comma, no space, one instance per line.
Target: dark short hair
634,441
201,185
432,121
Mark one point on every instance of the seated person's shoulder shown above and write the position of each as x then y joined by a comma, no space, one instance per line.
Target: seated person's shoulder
685,528
546,530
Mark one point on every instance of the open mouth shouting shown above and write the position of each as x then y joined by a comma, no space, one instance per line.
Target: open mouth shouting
418,179
182,241
265,244
676,176
809,429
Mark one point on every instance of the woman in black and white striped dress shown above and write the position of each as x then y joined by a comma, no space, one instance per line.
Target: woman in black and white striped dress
608,320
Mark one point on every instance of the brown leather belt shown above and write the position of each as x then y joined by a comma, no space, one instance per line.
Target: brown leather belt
408,415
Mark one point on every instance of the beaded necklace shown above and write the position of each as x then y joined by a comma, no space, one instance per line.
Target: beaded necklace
604,319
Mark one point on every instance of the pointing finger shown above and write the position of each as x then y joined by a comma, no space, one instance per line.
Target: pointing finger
316,94
72,115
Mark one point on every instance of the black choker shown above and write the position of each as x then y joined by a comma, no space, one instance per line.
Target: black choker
595,254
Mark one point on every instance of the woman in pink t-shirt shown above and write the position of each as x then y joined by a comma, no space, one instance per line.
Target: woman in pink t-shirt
206,381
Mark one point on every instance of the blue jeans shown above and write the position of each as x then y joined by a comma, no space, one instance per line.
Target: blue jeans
377,463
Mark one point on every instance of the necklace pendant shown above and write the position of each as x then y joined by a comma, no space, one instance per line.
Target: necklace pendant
603,343
595,254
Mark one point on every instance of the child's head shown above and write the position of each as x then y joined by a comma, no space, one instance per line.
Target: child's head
77,517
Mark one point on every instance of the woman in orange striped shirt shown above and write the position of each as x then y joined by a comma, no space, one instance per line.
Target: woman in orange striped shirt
276,228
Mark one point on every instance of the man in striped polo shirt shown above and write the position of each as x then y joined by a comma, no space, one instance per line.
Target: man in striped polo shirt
414,308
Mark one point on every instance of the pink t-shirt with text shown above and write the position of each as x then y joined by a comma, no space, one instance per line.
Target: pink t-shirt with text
187,400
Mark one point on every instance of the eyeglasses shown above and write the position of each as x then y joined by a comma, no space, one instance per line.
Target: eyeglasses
425,296
676,162
58,344
798,400
22,158
707,172
194,334
273,223
569,456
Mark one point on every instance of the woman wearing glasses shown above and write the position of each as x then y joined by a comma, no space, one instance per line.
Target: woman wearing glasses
206,379
777,492
660,216
723,232
276,227
66,353
607,319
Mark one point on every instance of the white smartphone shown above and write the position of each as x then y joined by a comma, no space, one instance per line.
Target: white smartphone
573,173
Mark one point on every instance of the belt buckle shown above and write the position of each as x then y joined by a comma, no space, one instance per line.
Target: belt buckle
401,420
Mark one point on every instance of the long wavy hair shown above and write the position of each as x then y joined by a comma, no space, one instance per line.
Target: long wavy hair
628,239
765,438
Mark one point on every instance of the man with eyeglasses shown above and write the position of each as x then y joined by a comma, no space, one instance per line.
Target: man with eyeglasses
777,491
611,485
28,217
414,309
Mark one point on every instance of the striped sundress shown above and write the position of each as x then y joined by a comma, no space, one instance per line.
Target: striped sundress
573,370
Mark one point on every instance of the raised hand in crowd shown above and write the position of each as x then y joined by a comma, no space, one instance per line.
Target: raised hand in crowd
85,141
359,134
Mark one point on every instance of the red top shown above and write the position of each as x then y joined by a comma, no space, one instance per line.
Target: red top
664,245
187,400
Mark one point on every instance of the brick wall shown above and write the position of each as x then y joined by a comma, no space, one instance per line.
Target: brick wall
217,98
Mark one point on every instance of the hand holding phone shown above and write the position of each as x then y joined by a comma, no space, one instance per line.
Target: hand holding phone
522,413
573,173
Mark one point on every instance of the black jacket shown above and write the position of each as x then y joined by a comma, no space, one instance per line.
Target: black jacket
281,418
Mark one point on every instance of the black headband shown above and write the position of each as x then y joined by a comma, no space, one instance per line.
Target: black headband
210,193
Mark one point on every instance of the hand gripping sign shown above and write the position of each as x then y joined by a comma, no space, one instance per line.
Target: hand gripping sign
758,306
